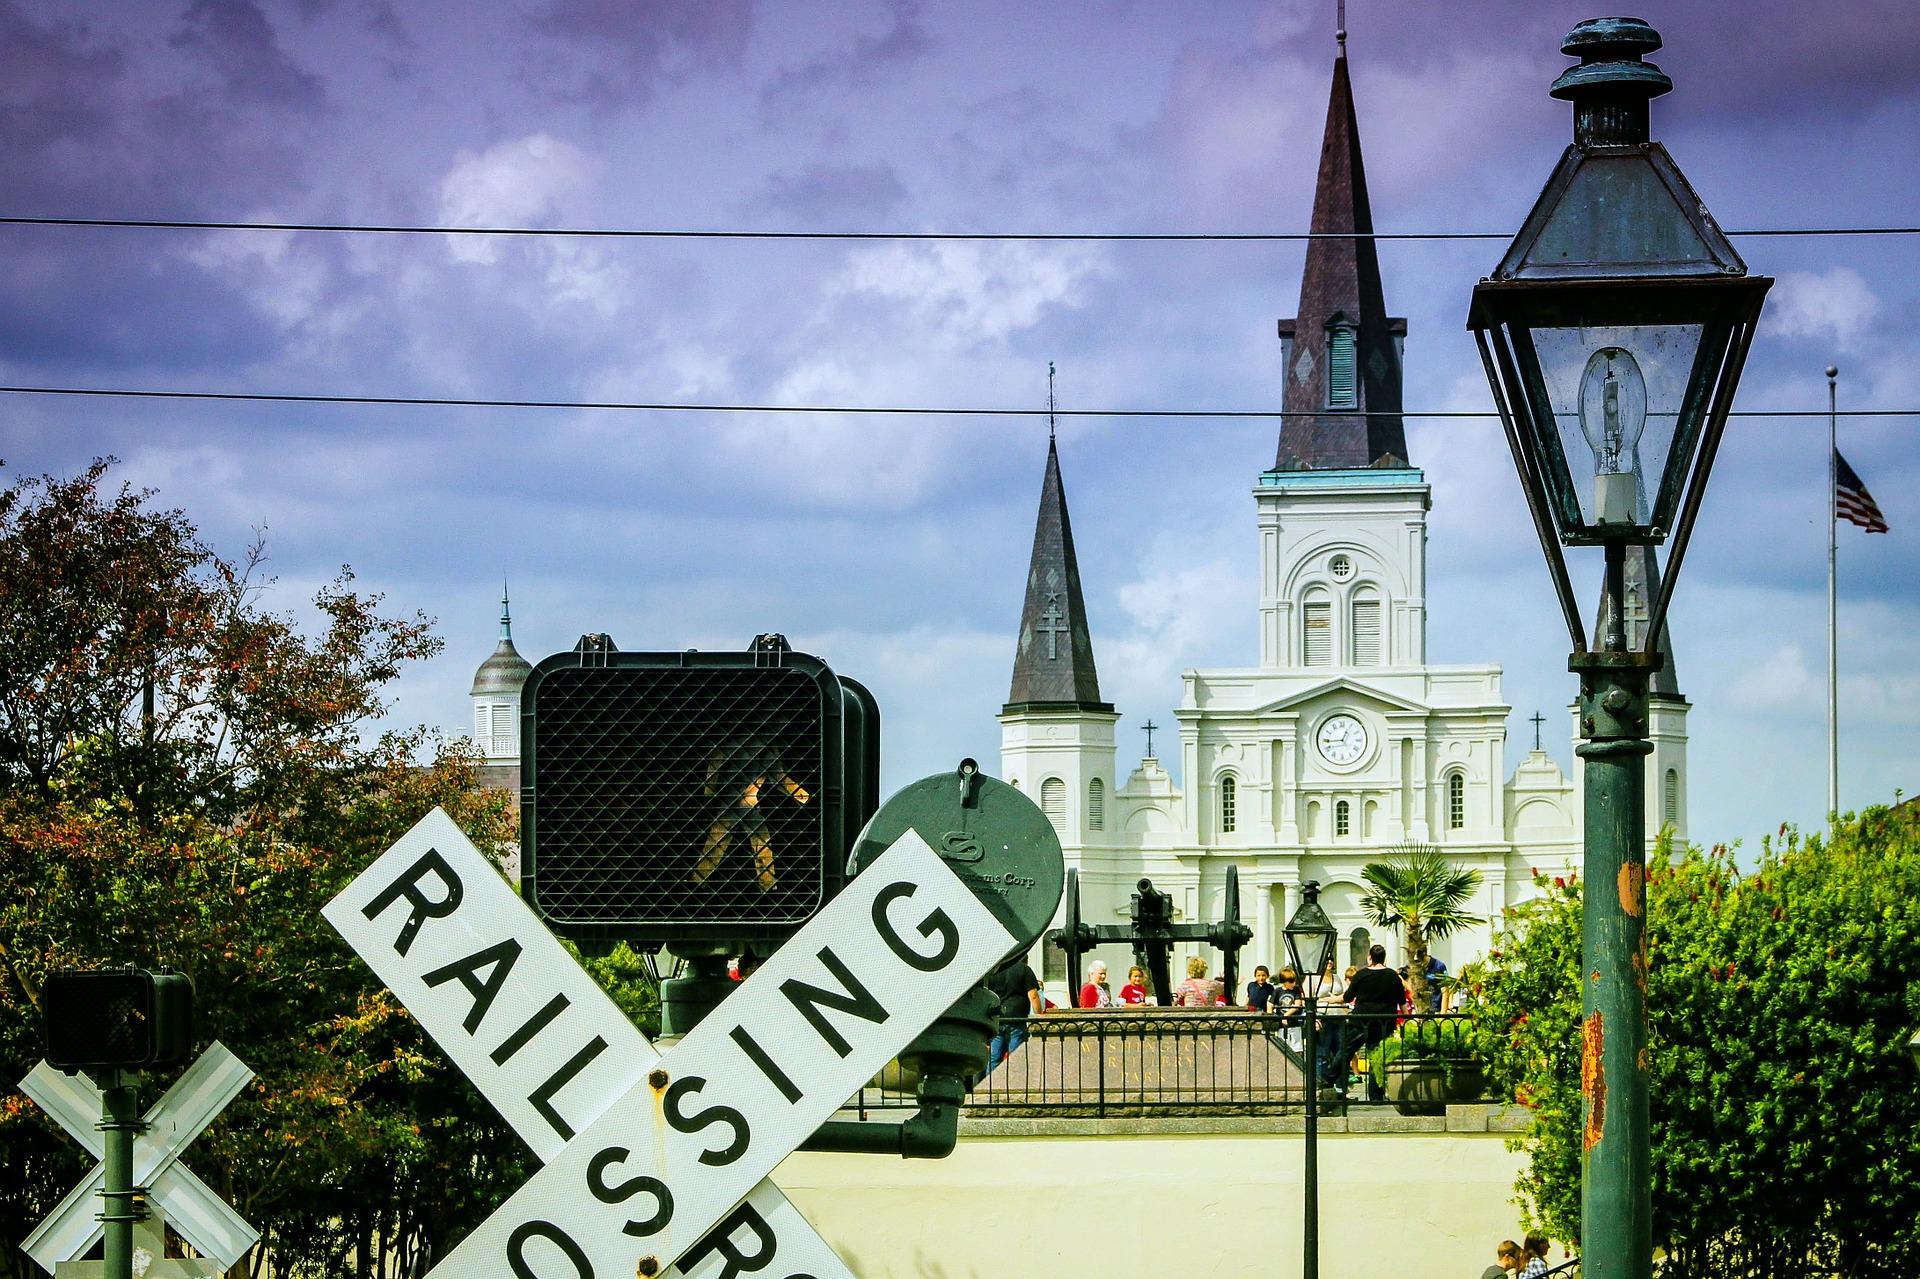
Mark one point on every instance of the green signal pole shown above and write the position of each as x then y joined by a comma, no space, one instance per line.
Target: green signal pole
1616,1202
120,1120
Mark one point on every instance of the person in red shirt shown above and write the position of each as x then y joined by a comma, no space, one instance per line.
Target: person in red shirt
1136,991
1096,993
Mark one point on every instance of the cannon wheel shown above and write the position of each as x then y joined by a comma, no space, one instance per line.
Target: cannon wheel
1071,937
1230,965
1159,952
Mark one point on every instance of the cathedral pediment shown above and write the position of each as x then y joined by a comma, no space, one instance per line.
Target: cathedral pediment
1351,689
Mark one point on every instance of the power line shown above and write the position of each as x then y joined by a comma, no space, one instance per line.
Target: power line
689,233
868,410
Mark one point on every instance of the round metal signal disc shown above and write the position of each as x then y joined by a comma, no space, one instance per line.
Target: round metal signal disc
992,836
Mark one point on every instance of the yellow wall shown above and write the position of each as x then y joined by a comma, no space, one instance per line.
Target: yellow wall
1399,1206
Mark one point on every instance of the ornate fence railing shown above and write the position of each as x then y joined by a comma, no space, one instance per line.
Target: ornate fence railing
1173,1062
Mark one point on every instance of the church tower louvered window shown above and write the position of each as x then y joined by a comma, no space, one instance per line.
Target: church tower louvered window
1316,618
1342,383
1053,801
1366,630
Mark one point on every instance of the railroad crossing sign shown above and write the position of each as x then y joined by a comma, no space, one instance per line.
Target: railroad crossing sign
183,1201
654,1160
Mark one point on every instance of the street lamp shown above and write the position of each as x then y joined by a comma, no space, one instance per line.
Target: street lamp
1310,939
1613,334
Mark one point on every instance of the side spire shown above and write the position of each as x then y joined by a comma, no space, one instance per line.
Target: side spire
1642,581
1053,661
1341,349
506,617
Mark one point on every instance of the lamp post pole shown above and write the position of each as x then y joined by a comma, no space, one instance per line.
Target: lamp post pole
1620,308
1616,1205
1309,935
1310,1237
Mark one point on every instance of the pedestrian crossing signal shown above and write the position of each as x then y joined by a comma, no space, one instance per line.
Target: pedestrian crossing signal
126,1017
691,796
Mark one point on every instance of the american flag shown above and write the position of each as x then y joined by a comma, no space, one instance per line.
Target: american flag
1851,501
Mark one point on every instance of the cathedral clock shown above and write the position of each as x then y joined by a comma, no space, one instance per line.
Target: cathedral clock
1343,740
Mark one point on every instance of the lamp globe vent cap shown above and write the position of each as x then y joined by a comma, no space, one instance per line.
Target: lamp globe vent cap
1610,52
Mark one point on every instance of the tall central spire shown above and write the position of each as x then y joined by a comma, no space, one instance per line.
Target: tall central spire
1342,349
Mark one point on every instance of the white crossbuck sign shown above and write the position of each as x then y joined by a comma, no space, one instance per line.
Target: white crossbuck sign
196,1214
652,1160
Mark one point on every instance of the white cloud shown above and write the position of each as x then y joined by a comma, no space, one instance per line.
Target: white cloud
518,182
1779,680
1834,304
1179,616
973,293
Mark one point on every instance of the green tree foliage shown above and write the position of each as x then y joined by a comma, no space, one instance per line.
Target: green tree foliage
185,779
1417,889
1785,1108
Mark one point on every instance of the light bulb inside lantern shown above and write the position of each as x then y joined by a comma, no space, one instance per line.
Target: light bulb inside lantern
1613,413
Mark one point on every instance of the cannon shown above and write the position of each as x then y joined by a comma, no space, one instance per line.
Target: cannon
1151,932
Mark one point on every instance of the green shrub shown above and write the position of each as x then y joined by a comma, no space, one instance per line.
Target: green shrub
1457,1043
1784,1107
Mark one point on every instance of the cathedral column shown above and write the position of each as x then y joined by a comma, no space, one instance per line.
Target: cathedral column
1423,823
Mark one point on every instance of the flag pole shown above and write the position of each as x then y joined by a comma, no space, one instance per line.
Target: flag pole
1833,636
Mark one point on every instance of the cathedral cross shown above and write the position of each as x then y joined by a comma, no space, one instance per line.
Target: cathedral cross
1052,625
1150,726
1538,720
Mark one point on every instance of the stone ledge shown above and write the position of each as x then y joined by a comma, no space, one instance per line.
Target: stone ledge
1389,1121
1368,1120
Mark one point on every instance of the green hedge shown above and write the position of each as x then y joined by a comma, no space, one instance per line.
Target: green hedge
1785,1107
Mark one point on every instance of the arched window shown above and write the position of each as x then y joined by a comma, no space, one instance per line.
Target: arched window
1316,627
1670,798
1053,801
1313,819
1359,942
1342,384
1229,804
1343,818
1456,801
1096,805
1366,629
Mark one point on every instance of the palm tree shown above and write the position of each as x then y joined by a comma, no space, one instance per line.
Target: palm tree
1415,888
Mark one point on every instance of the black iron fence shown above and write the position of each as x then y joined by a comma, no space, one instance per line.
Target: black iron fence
1174,1062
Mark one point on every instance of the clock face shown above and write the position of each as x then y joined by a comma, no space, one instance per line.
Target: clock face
1343,740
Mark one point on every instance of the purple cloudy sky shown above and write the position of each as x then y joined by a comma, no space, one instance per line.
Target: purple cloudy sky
897,548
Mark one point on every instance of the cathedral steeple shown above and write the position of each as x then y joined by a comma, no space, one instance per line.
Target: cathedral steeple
1341,350
1053,664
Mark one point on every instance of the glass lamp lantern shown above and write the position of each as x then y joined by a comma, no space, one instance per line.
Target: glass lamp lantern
1615,328
1310,938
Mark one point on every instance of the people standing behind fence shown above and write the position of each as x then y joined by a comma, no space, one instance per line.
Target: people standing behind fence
1097,993
1376,994
1260,990
1287,998
1139,987
1535,1246
1017,994
1198,990
1510,1259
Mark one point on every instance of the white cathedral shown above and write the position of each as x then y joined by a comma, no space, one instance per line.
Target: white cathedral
1344,740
